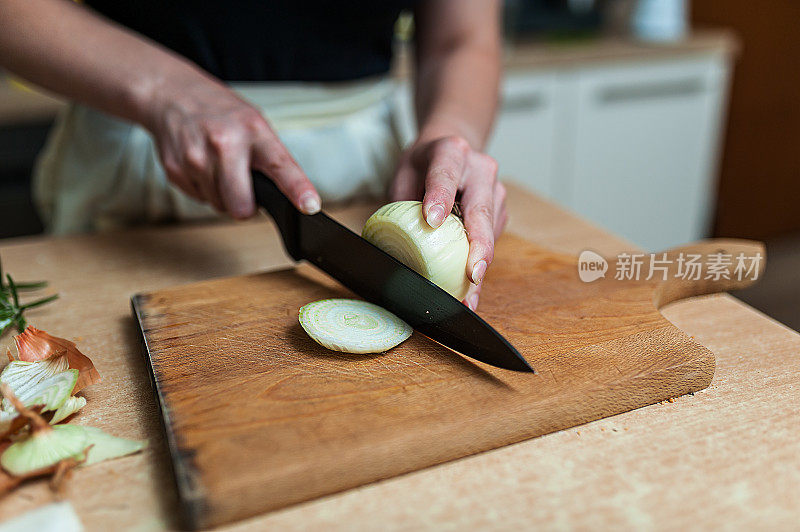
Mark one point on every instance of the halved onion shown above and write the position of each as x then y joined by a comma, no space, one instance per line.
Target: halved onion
353,326
439,255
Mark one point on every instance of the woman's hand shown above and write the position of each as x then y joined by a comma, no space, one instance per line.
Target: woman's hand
208,140
437,170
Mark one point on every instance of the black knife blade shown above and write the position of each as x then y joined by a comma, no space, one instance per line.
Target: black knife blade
381,279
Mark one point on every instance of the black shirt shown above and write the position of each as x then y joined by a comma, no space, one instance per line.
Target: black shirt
269,40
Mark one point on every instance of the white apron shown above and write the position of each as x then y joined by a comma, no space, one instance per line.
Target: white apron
98,173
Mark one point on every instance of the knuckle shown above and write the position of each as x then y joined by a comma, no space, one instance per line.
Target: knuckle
195,159
483,248
481,211
488,164
457,143
277,161
492,165
222,139
172,169
446,174
254,122
500,192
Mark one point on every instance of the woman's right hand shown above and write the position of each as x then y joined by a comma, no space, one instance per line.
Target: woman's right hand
208,139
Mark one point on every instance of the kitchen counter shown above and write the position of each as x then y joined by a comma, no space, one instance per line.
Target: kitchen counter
20,106
727,455
532,54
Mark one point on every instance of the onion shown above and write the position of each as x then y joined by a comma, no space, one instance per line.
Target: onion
46,446
353,326
439,255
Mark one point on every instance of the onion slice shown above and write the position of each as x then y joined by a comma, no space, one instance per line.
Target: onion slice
353,326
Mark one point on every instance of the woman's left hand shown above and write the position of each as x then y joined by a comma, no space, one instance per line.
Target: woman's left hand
437,170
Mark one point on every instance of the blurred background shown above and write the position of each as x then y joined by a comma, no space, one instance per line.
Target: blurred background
664,121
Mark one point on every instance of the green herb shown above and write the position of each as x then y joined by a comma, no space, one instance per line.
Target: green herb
10,308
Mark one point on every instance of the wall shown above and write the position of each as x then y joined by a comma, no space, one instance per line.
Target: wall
759,187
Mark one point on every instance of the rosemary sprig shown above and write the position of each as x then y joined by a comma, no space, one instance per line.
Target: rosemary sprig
11,311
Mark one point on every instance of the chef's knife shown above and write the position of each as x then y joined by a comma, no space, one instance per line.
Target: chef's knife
378,277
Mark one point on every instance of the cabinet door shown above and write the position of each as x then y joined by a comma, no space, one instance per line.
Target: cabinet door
523,139
644,149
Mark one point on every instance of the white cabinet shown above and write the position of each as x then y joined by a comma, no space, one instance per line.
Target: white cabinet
643,149
630,146
523,142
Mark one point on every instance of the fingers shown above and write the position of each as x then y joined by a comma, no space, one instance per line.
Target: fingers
406,184
187,166
478,206
235,183
448,158
271,157
179,178
209,152
473,294
500,213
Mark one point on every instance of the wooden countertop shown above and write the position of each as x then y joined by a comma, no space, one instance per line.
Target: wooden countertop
20,106
523,55
24,106
726,456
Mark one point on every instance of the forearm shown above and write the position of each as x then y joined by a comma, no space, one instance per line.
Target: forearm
457,95
71,51
457,78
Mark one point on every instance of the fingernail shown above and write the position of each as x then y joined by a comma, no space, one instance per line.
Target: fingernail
309,204
472,302
435,216
478,271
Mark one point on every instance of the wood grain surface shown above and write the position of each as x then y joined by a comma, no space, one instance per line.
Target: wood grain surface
259,416
724,458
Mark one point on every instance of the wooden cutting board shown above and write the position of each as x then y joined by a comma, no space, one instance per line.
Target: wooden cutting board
258,416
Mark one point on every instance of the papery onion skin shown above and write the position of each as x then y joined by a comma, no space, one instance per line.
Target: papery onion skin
34,345
439,255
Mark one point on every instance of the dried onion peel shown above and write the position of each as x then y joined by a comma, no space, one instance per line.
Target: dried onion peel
34,345
353,326
439,255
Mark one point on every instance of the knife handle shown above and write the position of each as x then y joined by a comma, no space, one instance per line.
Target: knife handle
277,205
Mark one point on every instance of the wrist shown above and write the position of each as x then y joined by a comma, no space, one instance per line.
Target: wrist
448,125
153,94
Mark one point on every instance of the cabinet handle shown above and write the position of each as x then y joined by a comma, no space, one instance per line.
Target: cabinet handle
646,91
522,102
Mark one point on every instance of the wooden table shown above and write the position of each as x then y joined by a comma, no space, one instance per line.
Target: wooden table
727,457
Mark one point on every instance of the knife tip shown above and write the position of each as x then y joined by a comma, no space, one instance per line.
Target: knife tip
521,365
